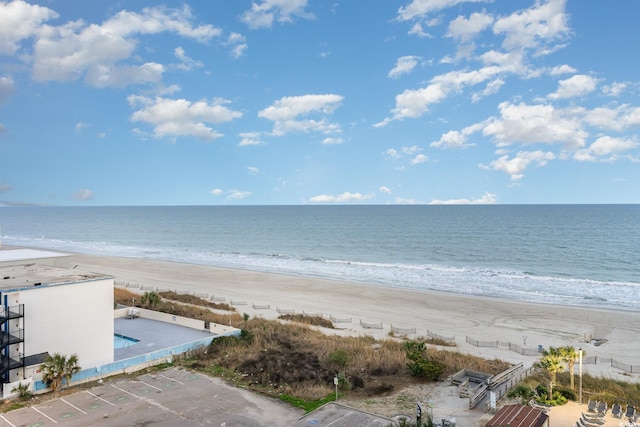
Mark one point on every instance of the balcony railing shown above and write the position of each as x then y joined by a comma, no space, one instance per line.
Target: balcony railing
13,337
11,362
15,312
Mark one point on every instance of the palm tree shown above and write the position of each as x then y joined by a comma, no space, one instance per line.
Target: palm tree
551,362
71,367
57,368
569,355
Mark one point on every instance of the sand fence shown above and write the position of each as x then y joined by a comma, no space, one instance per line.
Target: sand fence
523,350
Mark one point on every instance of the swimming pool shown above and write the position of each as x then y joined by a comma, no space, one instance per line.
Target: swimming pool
120,341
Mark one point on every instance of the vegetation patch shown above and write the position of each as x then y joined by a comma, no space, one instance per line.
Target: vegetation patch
308,320
154,301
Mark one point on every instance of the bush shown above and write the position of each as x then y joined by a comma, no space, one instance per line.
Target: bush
567,393
420,365
525,393
340,358
558,400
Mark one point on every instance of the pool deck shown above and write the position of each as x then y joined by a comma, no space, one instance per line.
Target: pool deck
153,335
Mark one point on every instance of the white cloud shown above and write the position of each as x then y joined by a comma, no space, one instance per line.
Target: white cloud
217,192
385,189
393,153
179,117
417,9
411,150
341,198
237,43
250,138
238,195
414,103
491,88
562,69
465,29
5,188
531,124
417,30
286,111
457,139
83,195
404,65
606,148
614,89
516,166
419,159
96,52
7,87
186,64
620,118
534,28
332,141
577,85
405,201
263,14
253,170
486,199
18,21
80,126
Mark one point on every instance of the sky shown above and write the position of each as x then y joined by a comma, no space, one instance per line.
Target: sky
278,102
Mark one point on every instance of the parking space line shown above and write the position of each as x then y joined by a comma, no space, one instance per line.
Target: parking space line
149,385
98,397
73,406
171,379
125,391
6,420
43,414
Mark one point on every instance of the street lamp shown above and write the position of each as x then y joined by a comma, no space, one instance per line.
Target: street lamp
580,354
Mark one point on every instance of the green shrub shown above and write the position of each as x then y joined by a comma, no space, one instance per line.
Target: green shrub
340,357
419,364
524,392
567,393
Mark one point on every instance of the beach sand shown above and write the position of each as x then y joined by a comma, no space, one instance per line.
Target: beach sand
448,315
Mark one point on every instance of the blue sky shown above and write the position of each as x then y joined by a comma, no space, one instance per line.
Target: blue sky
315,102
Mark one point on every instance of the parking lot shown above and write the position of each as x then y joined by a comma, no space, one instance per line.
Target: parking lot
164,398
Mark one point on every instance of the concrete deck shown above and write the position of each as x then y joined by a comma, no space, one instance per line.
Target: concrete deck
153,335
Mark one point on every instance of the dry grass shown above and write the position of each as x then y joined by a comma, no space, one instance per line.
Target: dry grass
295,359
191,299
308,320
125,297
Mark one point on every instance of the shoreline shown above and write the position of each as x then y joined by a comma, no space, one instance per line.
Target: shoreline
445,314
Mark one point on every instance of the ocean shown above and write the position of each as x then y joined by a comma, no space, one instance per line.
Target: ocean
579,255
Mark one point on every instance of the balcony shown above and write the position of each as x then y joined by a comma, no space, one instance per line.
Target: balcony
12,362
8,313
13,337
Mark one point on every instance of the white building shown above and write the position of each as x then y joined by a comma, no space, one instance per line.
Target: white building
49,309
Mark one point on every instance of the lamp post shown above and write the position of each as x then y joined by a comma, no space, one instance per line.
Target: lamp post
580,385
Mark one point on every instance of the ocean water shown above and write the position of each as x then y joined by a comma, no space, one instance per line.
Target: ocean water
582,255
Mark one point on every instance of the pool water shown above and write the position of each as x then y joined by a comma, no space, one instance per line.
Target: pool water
120,341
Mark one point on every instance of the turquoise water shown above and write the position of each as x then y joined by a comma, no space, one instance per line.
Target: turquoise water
586,255
121,341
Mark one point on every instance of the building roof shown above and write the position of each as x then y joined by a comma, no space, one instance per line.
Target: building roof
27,276
27,255
518,416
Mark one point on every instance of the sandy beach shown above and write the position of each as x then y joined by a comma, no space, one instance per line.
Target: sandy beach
443,314
448,315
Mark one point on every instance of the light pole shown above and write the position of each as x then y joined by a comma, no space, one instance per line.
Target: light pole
580,386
